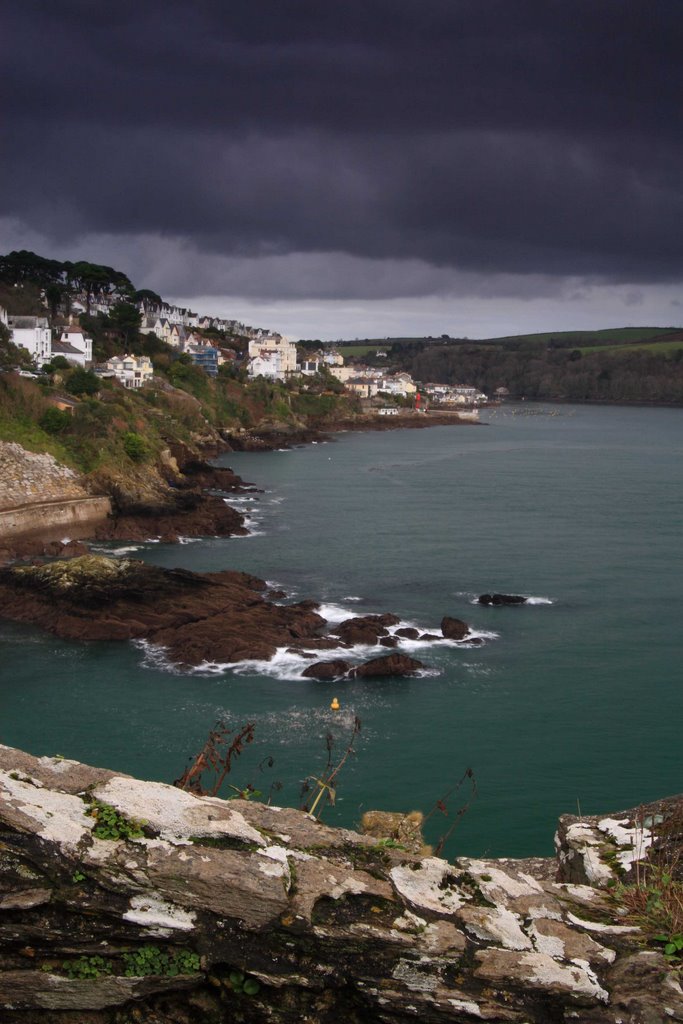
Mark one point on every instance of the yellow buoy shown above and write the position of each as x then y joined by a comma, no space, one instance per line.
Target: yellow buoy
335,705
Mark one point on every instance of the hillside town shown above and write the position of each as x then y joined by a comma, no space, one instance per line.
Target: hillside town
210,343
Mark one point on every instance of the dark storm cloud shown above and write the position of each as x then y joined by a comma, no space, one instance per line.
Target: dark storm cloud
526,138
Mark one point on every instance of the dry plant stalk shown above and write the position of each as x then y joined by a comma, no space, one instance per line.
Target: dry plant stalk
326,784
213,757
441,805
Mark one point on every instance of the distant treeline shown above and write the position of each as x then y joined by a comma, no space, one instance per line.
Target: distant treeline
635,373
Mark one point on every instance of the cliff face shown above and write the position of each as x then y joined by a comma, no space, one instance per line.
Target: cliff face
125,901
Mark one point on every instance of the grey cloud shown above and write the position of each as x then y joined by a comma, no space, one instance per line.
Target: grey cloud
371,148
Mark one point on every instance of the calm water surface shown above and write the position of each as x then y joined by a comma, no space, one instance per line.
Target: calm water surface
577,701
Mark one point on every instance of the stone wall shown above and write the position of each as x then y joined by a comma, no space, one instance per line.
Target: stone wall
54,520
27,477
41,497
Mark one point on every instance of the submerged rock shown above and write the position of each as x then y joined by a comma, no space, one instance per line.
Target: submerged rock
499,599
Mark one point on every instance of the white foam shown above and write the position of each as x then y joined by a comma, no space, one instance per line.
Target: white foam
350,597
154,656
127,550
189,540
527,600
335,612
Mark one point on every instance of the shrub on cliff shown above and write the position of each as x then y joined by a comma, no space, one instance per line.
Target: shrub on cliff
134,446
55,421
83,382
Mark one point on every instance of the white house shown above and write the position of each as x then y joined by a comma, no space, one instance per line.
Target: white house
398,384
77,339
272,356
132,371
177,336
33,334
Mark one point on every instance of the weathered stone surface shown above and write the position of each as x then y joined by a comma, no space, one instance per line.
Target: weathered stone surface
334,925
596,850
539,972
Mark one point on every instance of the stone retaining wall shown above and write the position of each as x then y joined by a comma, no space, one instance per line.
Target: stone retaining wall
41,497
26,477
54,520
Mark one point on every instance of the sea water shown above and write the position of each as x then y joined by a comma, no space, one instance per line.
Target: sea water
572,703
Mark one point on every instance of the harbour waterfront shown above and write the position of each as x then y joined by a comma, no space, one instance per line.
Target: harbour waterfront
575,701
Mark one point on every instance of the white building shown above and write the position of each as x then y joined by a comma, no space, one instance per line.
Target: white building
132,371
272,356
33,334
76,337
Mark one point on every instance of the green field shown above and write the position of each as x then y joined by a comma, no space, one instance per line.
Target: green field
362,350
615,334
660,347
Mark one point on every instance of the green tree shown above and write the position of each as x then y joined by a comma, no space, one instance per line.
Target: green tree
126,318
83,382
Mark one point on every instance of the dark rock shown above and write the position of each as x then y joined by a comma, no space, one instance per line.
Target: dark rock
389,641
387,665
364,629
454,629
430,636
327,669
500,599
276,595
409,632
196,617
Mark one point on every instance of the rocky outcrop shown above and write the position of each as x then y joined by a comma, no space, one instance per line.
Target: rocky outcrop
125,900
336,668
365,629
387,665
501,599
454,629
219,617
195,618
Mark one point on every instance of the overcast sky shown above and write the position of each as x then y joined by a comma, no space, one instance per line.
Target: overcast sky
352,168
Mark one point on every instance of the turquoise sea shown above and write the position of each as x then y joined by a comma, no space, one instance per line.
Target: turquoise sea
573,701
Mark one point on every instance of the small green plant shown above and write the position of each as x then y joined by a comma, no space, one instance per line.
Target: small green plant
389,844
673,948
113,825
78,876
86,967
653,899
243,984
154,960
